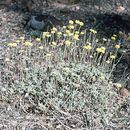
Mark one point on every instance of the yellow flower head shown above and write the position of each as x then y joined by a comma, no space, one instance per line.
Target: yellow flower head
128,38
77,21
64,27
117,46
76,37
64,35
87,47
82,33
27,43
108,61
21,38
52,32
68,42
102,77
71,22
118,85
71,27
54,29
77,32
48,35
93,31
17,41
59,33
103,50
112,56
98,50
38,39
53,43
81,23
41,47
45,34
67,31
12,44
70,34
114,35
113,38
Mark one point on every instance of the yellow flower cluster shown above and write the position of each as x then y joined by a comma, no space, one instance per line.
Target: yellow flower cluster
54,30
117,46
101,50
71,27
118,85
59,34
113,37
21,38
67,42
17,41
64,27
46,34
76,37
71,22
49,35
79,22
12,44
93,31
128,38
38,39
108,62
77,32
67,31
53,43
27,43
82,33
112,56
87,47
102,77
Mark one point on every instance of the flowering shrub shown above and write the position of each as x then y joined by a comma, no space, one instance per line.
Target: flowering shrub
65,70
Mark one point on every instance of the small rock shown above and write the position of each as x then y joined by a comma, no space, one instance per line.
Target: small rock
124,92
27,128
41,22
120,9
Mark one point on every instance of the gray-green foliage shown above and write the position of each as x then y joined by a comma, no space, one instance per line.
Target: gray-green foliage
71,87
